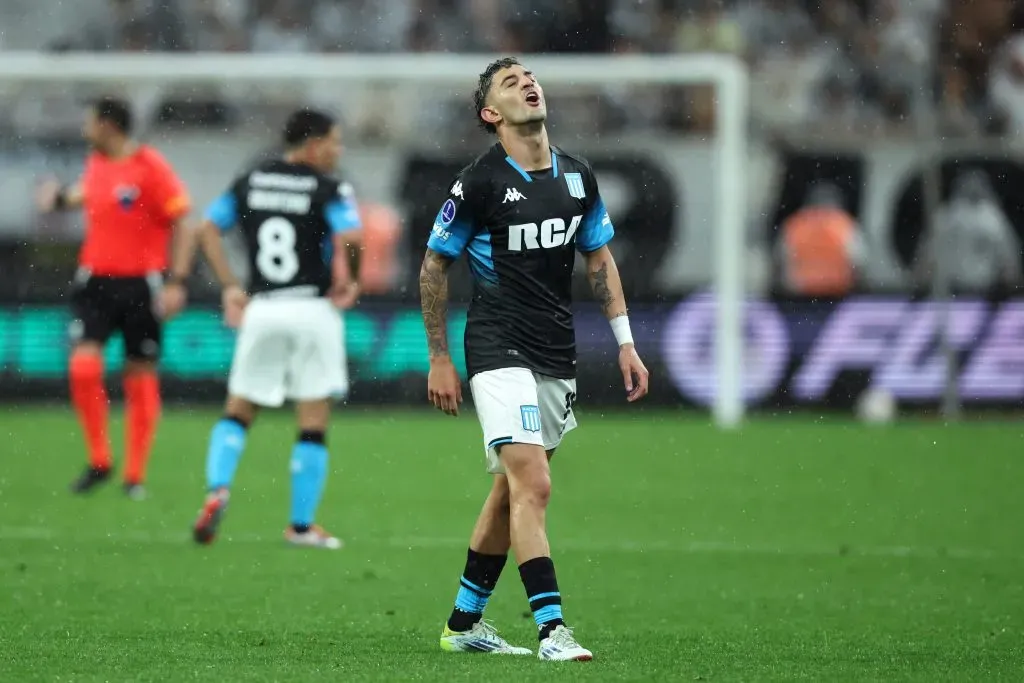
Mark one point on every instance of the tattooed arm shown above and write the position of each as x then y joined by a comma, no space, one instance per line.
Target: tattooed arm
455,225
434,302
444,389
605,283
604,280
594,236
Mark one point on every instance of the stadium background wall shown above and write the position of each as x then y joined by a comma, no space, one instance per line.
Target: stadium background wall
657,191
811,354
814,354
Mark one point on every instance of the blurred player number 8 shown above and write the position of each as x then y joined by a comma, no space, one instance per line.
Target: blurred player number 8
276,257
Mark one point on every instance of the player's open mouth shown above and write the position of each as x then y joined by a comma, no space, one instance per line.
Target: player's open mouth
532,99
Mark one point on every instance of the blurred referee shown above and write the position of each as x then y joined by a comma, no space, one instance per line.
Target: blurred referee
133,203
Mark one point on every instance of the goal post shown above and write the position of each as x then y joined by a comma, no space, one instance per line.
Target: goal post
728,75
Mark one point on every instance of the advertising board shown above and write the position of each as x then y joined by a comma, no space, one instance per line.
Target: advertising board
798,353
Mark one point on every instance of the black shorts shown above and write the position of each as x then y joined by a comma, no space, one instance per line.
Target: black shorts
104,305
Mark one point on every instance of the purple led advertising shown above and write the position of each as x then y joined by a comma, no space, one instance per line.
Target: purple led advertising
807,353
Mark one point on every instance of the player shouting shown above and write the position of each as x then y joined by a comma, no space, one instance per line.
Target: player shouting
298,223
520,212
133,203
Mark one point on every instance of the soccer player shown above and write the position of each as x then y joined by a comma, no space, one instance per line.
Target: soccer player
290,344
133,203
520,212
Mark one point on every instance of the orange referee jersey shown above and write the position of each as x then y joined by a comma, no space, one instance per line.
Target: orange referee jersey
131,205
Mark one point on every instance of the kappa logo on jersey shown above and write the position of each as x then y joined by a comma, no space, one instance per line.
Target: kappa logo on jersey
550,234
531,418
457,189
513,195
346,190
126,195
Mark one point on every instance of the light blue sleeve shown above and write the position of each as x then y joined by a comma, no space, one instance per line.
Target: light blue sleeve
223,212
455,225
342,215
597,229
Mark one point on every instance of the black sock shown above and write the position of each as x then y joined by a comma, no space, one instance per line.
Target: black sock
541,586
300,528
475,588
237,420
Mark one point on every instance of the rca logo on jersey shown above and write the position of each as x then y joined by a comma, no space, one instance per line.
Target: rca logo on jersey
513,195
550,234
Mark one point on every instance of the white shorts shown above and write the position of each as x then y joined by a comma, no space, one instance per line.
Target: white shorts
516,405
289,348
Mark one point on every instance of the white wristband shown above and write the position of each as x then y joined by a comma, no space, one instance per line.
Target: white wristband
620,328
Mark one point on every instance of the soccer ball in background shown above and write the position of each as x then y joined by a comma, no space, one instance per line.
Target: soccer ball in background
876,406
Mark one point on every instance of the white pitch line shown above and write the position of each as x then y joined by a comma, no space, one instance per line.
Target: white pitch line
40,534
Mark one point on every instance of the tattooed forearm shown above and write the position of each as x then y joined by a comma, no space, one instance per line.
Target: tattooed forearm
434,301
605,283
599,283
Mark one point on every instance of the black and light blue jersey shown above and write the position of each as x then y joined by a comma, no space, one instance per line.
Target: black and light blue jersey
288,214
520,231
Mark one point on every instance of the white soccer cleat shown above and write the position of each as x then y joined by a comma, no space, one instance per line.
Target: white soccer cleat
560,646
315,537
481,638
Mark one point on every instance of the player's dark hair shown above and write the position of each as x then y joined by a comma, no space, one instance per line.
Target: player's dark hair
307,124
483,87
114,111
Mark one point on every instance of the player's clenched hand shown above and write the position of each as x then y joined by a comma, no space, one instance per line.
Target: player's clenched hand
234,300
634,374
443,386
344,294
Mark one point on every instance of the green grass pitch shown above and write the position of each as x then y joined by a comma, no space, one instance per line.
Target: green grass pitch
791,549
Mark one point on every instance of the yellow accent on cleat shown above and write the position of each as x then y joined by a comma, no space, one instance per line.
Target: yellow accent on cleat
446,643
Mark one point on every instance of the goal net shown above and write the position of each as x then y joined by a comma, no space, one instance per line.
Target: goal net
677,196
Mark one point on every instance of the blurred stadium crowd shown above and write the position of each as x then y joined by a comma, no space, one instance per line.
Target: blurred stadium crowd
844,95
857,65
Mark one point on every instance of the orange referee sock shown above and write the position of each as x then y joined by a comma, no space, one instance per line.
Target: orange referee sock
89,397
142,398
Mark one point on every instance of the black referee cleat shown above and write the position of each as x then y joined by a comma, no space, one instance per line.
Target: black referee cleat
90,479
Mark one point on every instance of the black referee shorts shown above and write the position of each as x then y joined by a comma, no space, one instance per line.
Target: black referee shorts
103,305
